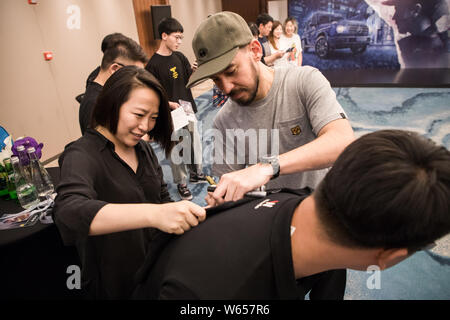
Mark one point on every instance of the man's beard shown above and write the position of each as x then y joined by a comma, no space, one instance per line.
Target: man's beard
248,101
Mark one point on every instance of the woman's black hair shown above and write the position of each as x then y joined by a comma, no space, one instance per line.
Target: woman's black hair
117,91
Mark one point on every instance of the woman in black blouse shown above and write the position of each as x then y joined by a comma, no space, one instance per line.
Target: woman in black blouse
112,193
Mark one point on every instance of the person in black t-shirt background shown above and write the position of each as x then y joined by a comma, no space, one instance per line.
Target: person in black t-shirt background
120,51
173,70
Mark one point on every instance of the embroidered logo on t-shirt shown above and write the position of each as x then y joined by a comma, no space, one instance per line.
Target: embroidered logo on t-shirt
296,130
174,72
266,203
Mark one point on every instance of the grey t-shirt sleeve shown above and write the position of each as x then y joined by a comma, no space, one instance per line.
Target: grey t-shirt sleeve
318,98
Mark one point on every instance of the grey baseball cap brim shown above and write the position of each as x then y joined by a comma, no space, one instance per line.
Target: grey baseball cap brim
212,67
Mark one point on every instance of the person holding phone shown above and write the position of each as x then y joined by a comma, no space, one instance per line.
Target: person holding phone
291,40
276,45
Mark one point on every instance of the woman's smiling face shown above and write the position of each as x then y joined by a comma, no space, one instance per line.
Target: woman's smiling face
137,116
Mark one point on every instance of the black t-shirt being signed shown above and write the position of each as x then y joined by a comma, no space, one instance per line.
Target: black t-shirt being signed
241,251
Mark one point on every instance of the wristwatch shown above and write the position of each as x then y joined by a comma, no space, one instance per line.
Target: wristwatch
273,161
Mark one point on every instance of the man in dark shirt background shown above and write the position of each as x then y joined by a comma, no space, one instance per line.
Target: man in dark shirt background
173,70
108,41
123,52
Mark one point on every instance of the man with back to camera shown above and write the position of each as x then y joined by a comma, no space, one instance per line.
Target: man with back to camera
386,197
124,52
296,102
107,42
173,70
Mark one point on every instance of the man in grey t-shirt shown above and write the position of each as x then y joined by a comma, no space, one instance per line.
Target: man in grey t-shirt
295,108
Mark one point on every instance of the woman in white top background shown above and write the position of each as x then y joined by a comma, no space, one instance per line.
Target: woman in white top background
291,39
276,45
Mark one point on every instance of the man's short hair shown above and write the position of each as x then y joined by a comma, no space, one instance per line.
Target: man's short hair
125,48
263,19
388,189
254,29
168,26
111,39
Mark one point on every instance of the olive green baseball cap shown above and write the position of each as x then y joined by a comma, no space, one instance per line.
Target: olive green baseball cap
216,42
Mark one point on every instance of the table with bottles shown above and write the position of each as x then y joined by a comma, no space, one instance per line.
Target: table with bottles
11,205
25,188
33,259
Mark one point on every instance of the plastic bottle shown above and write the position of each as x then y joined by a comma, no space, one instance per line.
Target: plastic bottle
3,182
26,191
39,175
24,161
10,172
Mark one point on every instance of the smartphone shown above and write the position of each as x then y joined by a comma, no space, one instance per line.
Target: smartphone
290,49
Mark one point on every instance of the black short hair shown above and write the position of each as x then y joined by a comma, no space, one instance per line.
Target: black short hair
263,18
116,92
254,29
111,39
125,48
168,26
388,189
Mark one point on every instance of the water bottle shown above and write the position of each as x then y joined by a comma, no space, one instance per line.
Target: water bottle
39,175
26,191
11,185
3,182
24,161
